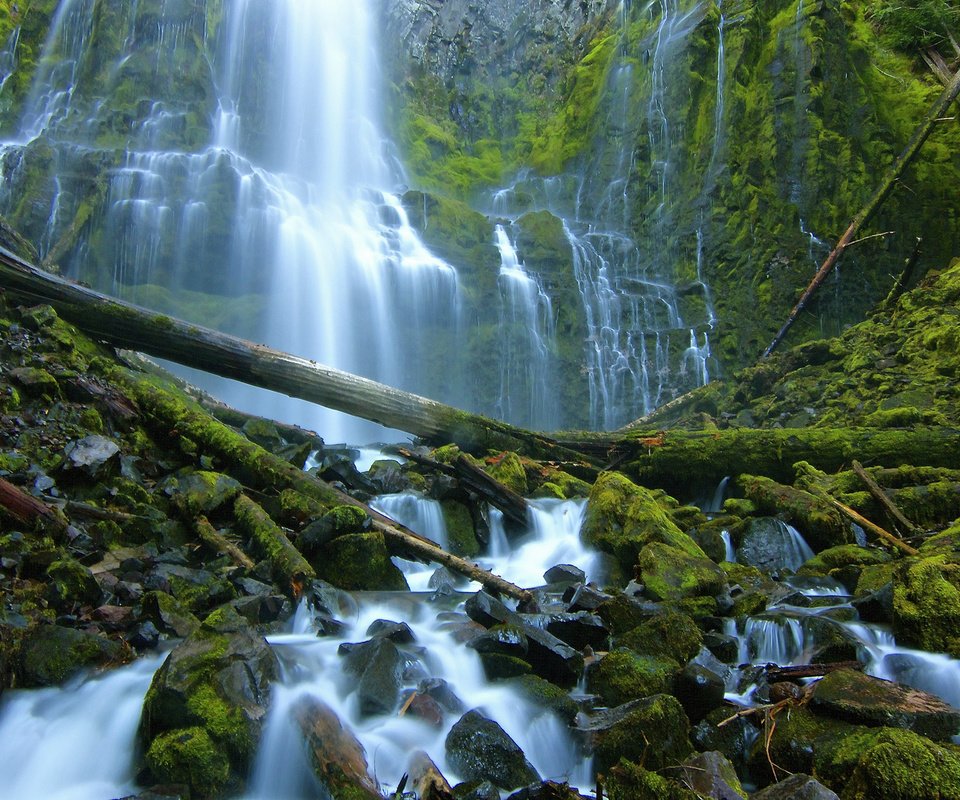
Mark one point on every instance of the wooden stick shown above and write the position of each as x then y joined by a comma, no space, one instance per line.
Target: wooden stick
220,544
27,509
287,563
893,173
881,497
876,529
776,673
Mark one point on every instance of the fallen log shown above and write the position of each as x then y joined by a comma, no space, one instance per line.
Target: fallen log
875,529
266,472
27,509
881,497
220,544
678,460
774,672
920,135
287,564
128,326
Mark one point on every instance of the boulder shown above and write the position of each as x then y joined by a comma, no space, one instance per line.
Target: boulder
70,582
623,518
578,629
821,523
673,574
582,597
630,781
508,640
200,492
768,544
654,730
926,604
52,653
622,676
553,659
711,774
851,695
216,681
338,759
699,689
379,666
565,573
189,756
488,610
796,787
669,635
479,749
359,561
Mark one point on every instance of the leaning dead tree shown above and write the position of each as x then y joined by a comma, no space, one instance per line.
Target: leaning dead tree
129,326
920,135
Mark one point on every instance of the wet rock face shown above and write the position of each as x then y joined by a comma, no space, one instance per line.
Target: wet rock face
435,33
479,749
796,787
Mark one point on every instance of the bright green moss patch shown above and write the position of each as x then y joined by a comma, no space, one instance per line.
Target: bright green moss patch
189,756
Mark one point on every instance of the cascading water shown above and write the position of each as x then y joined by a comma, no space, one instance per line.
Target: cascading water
527,342
284,204
74,743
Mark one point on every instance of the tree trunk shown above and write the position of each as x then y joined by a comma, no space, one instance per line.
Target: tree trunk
125,325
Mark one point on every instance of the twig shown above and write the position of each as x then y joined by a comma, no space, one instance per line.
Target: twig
871,236
876,529
881,497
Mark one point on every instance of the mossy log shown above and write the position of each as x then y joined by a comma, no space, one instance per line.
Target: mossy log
680,461
260,469
288,565
126,325
27,509
220,544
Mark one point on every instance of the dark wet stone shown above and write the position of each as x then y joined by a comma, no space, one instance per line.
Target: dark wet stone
379,666
487,610
52,653
397,632
145,637
734,739
423,706
564,573
579,630
440,691
128,592
479,749
476,790
712,775
796,787
114,618
442,578
723,646
548,790
584,598
252,587
508,640
551,658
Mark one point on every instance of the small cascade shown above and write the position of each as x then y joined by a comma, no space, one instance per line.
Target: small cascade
729,552
527,338
8,56
75,742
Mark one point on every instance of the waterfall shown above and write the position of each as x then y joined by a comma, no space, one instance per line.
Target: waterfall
285,202
527,341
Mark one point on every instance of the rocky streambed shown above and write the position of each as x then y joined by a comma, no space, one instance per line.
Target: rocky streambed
184,617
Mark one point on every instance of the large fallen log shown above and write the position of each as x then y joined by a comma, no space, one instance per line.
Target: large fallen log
129,326
679,461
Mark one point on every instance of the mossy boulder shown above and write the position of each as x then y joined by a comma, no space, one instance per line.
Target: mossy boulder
461,536
653,730
630,781
889,764
359,561
844,555
479,749
926,604
622,518
70,582
201,492
508,469
669,573
669,635
851,695
218,681
189,757
622,675
547,695
51,654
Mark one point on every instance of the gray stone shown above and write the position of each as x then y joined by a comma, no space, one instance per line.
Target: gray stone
479,749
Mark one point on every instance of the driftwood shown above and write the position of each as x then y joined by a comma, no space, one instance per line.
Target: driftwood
220,544
27,509
876,199
427,780
513,506
884,534
128,326
881,497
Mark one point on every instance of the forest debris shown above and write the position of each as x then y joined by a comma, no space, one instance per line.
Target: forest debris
881,497
884,534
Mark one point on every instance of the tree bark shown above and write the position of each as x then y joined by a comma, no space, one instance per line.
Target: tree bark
881,497
913,147
27,509
220,544
125,325
875,529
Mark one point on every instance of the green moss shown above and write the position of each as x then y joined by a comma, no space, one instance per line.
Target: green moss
889,764
629,781
508,469
622,518
189,756
670,635
926,604
225,723
843,556
654,731
461,538
547,695
622,675
672,574
359,561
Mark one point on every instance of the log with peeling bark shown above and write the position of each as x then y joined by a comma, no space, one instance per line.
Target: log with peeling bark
775,673
27,509
920,135
125,325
